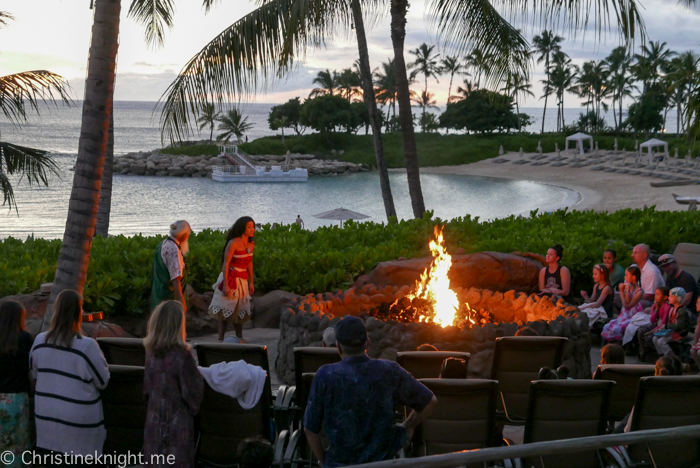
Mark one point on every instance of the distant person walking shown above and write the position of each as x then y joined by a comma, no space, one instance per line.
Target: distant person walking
300,222
231,301
169,267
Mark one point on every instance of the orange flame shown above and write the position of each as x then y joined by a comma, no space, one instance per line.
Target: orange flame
434,285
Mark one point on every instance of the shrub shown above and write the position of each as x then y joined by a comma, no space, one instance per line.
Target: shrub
119,276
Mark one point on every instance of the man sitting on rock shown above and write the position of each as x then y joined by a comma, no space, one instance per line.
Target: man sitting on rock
354,401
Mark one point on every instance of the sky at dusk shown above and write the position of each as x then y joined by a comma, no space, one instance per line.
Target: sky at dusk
55,34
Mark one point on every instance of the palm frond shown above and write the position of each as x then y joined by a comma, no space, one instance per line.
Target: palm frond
469,25
20,89
249,56
32,164
5,18
155,15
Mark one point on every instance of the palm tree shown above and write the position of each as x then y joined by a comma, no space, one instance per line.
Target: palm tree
232,123
620,81
426,101
518,85
385,82
546,45
105,208
426,64
349,83
19,93
591,85
478,61
651,62
453,65
326,81
561,79
682,72
207,118
74,255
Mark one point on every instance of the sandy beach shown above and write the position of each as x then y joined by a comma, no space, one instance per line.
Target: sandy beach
599,190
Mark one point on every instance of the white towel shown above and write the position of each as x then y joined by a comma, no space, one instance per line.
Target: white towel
638,320
237,379
594,313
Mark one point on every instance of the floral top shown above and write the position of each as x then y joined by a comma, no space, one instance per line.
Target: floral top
172,257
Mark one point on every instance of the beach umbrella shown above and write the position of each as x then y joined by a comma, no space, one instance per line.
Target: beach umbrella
340,214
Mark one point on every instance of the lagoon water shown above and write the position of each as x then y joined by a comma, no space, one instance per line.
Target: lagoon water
149,204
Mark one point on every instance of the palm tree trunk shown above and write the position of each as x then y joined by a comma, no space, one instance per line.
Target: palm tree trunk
517,110
211,131
410,152
74,256
678,118
102,226
371,103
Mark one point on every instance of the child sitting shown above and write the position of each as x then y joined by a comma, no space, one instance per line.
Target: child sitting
610,354
659,313
675,327
600,303
631,295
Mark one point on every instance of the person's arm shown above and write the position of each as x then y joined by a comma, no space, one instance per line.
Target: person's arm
601,297
565,282
697,333
251,288
417,417
636,297
316,445
686,300
681,322
99,368
542,280
191,382
179,296
224,268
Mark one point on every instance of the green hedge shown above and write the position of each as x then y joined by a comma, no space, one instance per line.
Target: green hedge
316,261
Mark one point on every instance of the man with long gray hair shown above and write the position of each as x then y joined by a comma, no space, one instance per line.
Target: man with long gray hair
169,275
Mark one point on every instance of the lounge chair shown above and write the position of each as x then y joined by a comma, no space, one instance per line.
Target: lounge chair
626,378
123,351
124,410
427,364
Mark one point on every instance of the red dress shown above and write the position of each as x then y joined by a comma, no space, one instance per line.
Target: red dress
236,307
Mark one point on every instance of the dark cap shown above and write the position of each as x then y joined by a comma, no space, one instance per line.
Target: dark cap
666,259
351,331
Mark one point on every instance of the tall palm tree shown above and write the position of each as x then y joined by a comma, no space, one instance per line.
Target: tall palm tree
425,101
326,81
105,208
74,255
232,124
349,83
518,85
620,81
426,64
207,118
452,65
682,72
19,93
561,79
478,61
546,44
650,63
385,82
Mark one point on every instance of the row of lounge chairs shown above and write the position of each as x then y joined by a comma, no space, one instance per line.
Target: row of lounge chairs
464,418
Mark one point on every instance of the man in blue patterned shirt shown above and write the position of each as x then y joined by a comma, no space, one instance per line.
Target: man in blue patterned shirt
355,399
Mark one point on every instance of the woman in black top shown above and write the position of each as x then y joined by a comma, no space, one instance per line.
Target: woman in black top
555,280
15,344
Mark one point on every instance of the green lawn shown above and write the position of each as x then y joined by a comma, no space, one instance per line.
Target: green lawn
433,149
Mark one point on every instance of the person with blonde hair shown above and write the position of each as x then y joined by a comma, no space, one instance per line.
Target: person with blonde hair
15,344
172,386
169,277
69,370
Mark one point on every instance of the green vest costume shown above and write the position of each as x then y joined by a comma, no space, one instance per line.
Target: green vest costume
162,287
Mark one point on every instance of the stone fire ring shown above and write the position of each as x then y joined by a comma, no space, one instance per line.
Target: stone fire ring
304,320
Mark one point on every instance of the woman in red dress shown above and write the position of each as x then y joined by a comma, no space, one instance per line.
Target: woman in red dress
231,301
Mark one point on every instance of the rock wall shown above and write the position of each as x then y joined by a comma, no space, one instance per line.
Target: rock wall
155,163
304,320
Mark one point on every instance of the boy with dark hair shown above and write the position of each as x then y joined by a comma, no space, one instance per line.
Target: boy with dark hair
255,452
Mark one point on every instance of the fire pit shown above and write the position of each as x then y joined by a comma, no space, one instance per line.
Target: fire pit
457,318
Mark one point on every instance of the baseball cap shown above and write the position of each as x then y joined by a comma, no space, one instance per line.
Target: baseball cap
350,331
666,259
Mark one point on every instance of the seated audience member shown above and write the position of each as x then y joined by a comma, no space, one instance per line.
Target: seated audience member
15,344
665,365
676,325
69,370
328,338
677,278
526,331
555,280
354,402
659,312
650,278
600,303
617,273
611,354
631,296
426,347
453,368
255,452
695,349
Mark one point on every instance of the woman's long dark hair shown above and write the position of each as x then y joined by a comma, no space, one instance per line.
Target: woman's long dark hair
67,319
236,230
11,322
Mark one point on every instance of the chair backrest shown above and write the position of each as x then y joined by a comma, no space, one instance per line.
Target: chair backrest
310,359
124,410
667,401
567,409
123,351
517,361
626,378
463,418
223,424
688,258
427,364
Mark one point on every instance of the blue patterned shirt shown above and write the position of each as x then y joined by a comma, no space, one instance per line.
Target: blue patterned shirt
355,400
